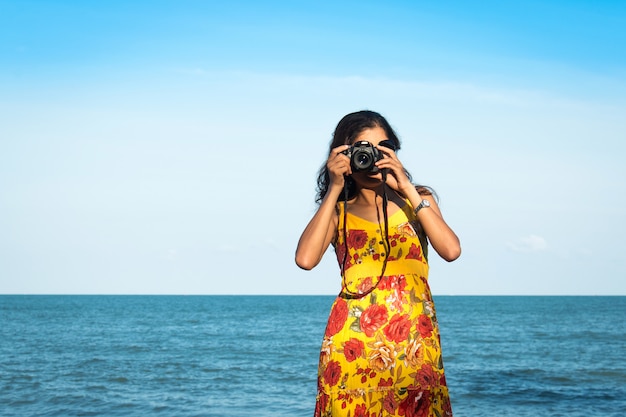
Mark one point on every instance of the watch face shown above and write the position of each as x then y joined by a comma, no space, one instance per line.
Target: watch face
425,203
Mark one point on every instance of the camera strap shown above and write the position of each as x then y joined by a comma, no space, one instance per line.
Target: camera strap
345,291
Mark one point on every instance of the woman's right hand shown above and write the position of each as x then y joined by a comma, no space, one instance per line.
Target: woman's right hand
338,165
320,231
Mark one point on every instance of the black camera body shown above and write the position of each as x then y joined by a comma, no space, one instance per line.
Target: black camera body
363,155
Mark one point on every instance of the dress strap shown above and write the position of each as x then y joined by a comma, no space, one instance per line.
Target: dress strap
340,207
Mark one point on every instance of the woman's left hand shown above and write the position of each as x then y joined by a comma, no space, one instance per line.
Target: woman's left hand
396,175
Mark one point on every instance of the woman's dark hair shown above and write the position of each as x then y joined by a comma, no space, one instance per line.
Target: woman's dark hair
346,132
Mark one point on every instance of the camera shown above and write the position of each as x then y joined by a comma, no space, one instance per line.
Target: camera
363,155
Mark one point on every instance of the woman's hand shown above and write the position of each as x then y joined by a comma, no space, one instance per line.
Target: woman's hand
338,165
396,178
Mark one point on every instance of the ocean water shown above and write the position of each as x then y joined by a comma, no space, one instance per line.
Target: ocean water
257,355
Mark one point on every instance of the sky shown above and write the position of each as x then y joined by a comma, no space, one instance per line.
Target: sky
172,147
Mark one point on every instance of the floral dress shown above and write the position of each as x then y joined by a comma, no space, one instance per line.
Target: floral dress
381,352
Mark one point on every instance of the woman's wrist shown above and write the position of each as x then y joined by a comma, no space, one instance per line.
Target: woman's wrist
334,190
424,204
410,192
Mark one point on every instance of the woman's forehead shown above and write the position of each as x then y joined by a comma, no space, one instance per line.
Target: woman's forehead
373,135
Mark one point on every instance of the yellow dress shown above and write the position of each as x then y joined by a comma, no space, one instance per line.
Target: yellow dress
381,352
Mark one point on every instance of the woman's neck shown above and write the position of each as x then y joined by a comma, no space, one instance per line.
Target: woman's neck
374,197
369,197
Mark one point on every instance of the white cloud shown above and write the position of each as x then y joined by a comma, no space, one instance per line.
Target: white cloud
532,243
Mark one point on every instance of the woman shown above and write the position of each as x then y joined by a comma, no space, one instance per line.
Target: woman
381,352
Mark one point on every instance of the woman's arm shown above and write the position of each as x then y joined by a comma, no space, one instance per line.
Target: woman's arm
320,231
440,235
318,234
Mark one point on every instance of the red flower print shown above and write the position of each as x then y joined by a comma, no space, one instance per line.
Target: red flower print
385,283
425,326
398,328
373,318
389,403
385,382
340,250
416,404
447,407
426,376
338,317
332,373
415,252
365,285
361,411
357,239
321,404
442,378
353,349
392,282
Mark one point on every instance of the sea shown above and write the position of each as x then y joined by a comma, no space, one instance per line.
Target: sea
233,356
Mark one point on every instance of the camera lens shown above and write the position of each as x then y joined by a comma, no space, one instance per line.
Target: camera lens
362,160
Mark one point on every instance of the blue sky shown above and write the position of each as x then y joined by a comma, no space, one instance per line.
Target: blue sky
172,147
